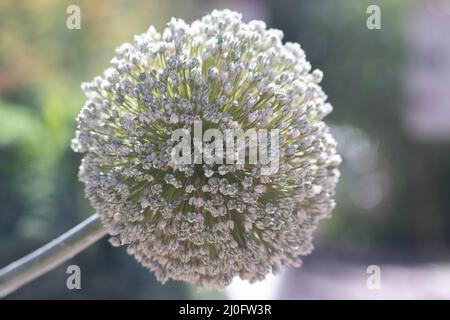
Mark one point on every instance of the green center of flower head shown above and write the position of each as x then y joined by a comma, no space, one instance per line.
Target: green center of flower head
206,222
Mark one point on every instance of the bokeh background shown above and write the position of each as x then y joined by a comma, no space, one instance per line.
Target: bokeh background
390,89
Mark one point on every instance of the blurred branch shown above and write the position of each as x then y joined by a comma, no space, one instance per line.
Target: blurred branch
46,258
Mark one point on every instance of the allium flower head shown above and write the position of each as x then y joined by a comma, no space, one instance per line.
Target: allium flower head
206,223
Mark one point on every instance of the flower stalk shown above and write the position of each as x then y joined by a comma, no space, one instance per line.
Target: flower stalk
51,255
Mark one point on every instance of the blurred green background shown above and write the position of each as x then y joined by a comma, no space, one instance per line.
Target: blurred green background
393,199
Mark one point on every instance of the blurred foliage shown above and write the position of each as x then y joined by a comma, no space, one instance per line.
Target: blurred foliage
363,78
42,64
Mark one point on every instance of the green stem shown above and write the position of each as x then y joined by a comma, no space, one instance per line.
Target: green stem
48,257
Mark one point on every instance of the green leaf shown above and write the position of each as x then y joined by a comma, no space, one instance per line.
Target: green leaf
16,123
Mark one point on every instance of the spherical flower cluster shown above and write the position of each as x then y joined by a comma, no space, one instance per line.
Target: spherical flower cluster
207,223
